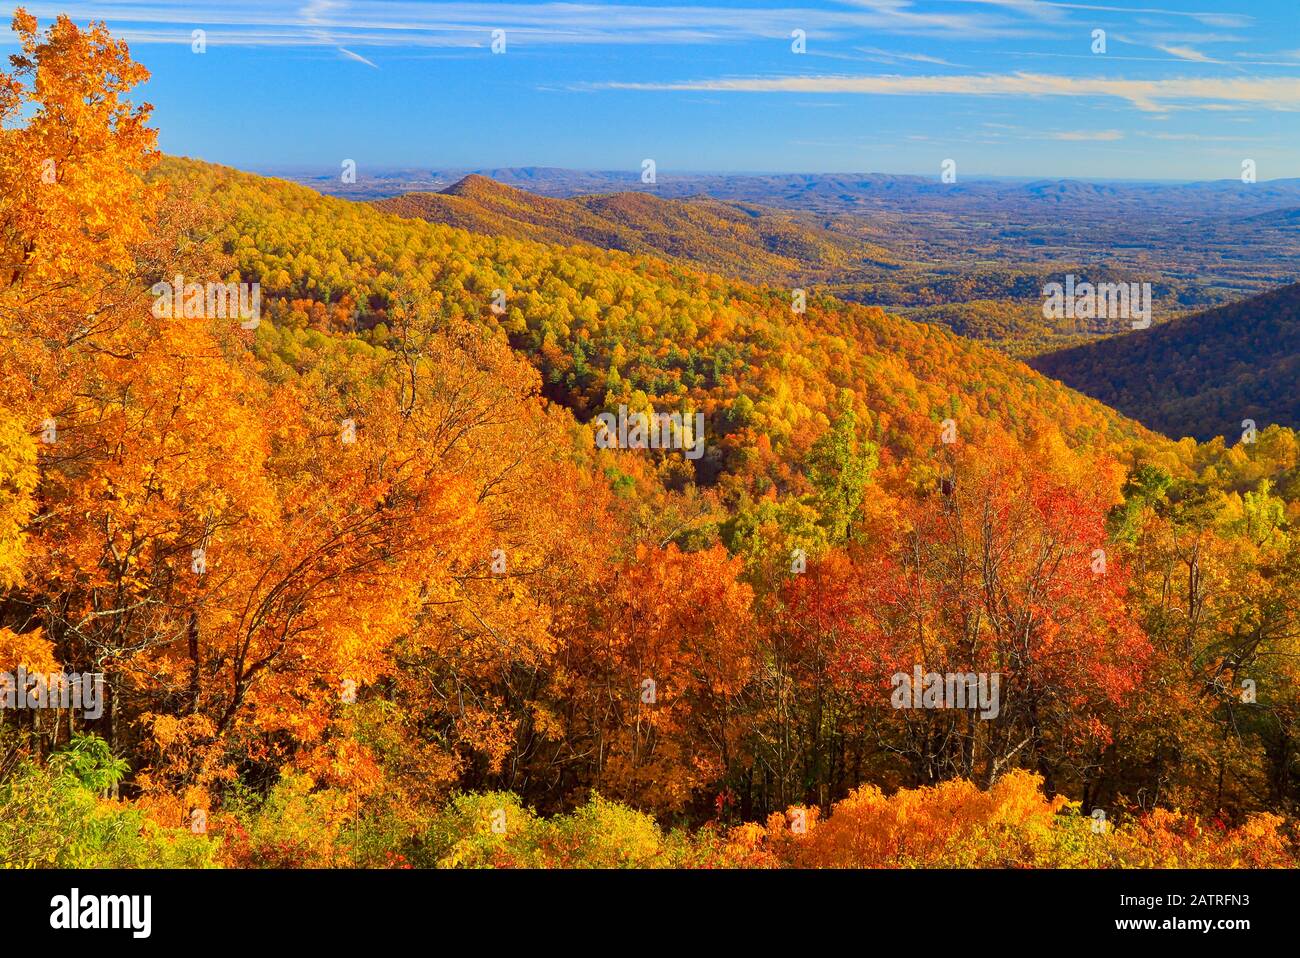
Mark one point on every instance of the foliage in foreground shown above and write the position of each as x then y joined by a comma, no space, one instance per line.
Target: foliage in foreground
953,825
52,815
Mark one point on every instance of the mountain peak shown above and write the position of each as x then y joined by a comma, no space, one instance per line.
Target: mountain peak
476,185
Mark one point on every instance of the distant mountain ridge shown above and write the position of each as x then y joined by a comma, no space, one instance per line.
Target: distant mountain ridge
829,192
741,240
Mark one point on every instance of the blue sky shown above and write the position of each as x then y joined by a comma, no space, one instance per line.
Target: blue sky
1186,89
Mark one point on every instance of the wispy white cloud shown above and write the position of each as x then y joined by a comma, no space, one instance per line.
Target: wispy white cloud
316,12
417,24
1202,137
1050,9
1242,61
1286,56
893,56
1197,37
1281,93
358,57
1186,53
1088,135
1047,12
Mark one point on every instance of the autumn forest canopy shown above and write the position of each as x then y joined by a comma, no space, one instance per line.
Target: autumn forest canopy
363,576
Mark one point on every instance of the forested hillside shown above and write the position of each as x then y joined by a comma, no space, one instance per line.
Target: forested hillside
934,254
604,329
745,241
367,583
1202,375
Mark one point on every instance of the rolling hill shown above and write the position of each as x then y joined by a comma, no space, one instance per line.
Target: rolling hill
606,327
974,256
740,240
1201,375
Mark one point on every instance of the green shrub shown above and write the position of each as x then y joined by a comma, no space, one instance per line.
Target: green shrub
52,816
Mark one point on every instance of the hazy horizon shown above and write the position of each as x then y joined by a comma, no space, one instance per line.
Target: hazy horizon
271,169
